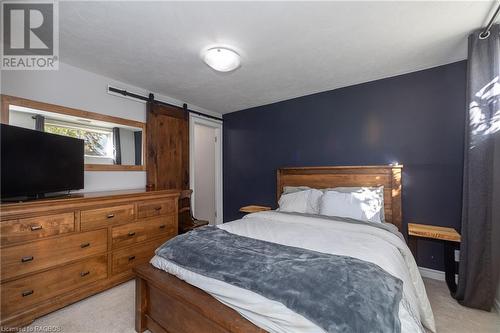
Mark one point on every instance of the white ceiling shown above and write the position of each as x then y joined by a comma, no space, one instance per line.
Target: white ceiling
288,49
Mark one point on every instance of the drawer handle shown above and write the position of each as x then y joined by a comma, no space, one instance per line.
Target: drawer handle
82,274
158,208
131,258
84,245
27,293
162,226
110,216
36,227
131,233
26,259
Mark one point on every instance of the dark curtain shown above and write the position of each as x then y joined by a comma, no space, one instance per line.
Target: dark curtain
117,146
480,248
39,123
138,147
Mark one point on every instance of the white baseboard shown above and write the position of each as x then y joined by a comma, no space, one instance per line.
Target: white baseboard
431,273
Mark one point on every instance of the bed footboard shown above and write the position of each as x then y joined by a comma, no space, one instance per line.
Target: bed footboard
166,304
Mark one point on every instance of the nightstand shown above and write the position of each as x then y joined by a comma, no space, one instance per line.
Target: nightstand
451,239
254,209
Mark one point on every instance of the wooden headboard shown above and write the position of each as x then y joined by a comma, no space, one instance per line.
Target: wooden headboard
336,176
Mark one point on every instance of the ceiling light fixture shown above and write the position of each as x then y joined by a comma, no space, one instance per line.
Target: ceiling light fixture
222,59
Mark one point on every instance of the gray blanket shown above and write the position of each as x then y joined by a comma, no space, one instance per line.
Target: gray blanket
337,293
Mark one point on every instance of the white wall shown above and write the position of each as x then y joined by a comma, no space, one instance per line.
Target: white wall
73,87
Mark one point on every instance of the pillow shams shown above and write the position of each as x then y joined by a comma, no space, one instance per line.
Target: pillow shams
378,189
365,204
304,201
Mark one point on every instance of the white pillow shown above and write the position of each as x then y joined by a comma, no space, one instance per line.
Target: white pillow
365,204
378,189
301,202
313,201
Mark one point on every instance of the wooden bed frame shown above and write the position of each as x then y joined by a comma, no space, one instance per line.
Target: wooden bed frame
165,303
338,176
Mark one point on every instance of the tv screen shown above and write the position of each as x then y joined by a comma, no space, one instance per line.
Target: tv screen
35,163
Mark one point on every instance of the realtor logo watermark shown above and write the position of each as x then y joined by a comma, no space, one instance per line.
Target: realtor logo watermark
30,35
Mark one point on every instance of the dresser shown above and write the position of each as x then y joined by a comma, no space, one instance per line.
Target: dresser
57,251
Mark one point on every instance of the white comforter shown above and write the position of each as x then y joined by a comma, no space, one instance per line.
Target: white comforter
323,235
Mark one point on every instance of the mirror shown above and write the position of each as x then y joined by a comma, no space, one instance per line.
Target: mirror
111,143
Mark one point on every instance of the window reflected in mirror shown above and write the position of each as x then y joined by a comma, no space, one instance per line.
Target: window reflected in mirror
106,142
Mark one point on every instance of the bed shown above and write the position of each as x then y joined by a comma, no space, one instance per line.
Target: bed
170,298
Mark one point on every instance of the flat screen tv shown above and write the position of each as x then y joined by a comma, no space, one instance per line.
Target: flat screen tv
35,163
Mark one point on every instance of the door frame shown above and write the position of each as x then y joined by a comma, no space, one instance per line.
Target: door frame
217,125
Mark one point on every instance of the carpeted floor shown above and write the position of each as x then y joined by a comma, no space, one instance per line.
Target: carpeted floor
112,311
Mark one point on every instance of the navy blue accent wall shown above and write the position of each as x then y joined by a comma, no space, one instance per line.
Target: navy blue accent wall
416,119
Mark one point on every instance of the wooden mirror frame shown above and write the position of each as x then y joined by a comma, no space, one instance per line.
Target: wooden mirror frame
12,100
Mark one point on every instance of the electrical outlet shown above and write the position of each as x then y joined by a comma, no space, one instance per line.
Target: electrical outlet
457,255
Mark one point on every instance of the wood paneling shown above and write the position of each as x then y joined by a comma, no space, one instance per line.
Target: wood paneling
42,286
68,263
12,100
126,259
434,232
254,209
187,221
140,306
172,305
167,129
81,201
31,257
137,232
114,167
155,208
24,230
350,176
107,216
26,315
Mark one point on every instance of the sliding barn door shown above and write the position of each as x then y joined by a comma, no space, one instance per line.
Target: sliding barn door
167,130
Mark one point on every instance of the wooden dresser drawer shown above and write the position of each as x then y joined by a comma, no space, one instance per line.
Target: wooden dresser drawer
141,231
27,258
126,259
36,288
33,228
156,207
104,217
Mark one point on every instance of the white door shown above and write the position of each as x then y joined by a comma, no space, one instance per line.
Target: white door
206,169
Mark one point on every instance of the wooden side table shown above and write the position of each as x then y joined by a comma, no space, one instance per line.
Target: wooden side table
254,209
451,239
